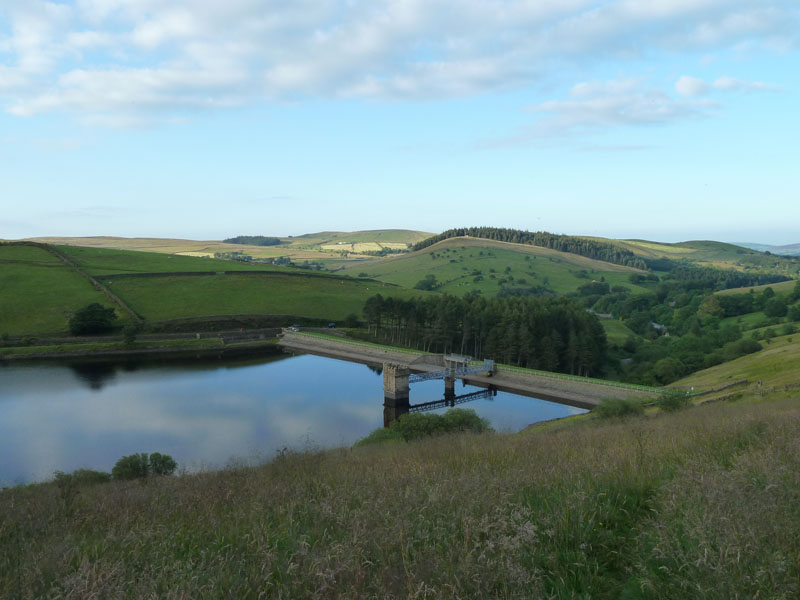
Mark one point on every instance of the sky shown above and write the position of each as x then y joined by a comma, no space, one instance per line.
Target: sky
668,120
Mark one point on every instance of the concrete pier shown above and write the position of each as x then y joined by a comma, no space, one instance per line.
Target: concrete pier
395,392
449,387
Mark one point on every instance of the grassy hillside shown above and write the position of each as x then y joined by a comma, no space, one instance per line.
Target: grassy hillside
713,254
776,366
107,261
457,262
161,298
696,504
38,293
782,286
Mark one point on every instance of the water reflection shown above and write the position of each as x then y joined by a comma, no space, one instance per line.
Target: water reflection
95,375
203,413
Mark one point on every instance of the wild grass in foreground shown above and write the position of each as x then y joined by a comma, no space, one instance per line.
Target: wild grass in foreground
700,503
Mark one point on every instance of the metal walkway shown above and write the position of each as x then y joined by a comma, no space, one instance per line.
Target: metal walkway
486,367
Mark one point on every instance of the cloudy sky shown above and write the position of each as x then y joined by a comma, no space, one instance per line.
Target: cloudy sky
663,119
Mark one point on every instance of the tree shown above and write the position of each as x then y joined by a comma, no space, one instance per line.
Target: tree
776,307
129,333
794,313
429,283
137,466
162,464
93,318
133,466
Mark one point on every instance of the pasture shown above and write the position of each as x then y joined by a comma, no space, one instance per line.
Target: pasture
163,298
40,296
463,265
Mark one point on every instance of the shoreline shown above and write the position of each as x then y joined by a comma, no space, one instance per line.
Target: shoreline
179,351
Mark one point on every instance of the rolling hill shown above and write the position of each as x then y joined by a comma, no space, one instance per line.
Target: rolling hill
465,264
319,246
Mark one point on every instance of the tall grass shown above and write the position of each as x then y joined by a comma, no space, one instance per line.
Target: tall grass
698,503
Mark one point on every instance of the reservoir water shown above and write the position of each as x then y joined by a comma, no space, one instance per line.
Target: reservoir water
205,413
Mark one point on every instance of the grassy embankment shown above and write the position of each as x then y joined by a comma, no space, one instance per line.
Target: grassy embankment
702,503
777,366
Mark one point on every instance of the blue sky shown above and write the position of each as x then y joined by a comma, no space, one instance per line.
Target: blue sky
667,119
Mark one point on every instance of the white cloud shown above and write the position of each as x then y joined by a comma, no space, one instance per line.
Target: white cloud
135,60
594,106
692,86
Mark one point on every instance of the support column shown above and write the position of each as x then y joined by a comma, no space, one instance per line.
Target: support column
395,392
450,388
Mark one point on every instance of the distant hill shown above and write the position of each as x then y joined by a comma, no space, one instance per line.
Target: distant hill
787,250
323,245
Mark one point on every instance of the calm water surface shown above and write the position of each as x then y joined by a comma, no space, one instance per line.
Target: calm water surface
204,413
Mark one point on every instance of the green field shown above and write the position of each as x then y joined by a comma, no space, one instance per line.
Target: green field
104,261
783,286
40,299
31,254
616,331
162,298
37,296
457,262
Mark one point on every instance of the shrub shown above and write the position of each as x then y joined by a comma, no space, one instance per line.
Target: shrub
414,426
380,436
428,283
671,402
619,407
90,476
352,321
460,419
129,333
739,348
93,318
